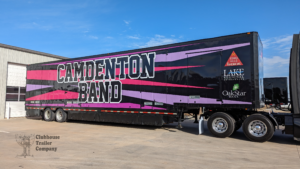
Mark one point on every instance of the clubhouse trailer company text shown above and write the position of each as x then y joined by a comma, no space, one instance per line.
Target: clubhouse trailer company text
43,140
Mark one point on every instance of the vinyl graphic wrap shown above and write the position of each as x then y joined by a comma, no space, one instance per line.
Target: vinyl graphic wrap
157,79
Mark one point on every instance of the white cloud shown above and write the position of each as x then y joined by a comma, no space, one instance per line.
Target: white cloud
93,37
159,40
278,42
276,66
109,37
133,37
126,22
35,25
276,60
286,39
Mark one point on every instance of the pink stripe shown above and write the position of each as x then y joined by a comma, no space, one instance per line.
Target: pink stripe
42,74
55,95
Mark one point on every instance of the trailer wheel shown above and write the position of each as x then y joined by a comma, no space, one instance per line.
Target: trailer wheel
221,124
258,127
49,115
61,115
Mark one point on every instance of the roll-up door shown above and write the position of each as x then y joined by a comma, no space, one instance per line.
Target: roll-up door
15,90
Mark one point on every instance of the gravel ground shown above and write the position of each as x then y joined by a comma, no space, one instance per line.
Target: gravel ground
108,145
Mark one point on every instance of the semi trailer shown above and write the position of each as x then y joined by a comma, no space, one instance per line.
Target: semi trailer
157,85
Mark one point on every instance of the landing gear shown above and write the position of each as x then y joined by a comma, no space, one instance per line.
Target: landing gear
179,118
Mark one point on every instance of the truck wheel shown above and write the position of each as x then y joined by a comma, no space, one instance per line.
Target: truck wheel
221,124
258,127
61,116
49,115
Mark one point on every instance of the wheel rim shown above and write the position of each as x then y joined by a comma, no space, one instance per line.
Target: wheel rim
219,125
59,115
47,114
257,128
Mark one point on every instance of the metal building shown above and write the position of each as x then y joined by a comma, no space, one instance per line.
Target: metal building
13,61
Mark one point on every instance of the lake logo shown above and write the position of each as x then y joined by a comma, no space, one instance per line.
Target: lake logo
233,74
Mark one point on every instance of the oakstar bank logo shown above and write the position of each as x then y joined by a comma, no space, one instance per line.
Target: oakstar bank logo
234,93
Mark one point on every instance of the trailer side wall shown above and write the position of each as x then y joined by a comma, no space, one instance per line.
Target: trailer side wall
216,73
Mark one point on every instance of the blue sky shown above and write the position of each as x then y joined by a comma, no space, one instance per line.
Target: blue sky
81,28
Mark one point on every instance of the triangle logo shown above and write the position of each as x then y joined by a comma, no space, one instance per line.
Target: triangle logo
233,60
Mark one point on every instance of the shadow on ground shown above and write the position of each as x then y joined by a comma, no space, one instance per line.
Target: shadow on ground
191,128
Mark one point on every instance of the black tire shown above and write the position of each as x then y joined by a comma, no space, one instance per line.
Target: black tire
60,115
48,115
230,124
289,107
268,128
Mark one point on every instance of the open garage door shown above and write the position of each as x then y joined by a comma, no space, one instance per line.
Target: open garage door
15,90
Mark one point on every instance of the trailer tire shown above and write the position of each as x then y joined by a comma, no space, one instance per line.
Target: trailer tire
221,124
258,127
60,115
48,115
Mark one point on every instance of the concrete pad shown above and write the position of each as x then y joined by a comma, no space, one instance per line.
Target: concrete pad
109,145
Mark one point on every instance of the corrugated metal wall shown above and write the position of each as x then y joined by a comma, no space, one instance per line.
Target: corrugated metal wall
19,57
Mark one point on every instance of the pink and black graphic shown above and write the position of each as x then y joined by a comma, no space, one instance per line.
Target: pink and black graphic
159,78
